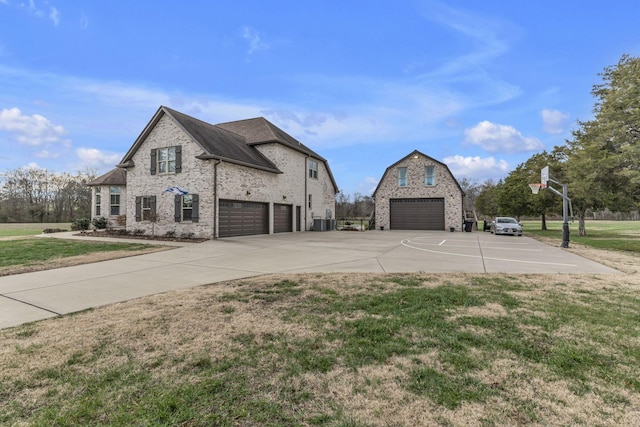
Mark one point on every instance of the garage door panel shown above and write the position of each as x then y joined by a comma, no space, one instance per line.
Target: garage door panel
237,218
282,218
417,214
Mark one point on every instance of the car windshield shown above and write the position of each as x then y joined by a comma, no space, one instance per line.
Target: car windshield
507,221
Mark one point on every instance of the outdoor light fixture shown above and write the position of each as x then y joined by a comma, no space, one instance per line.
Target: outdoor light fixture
248,193
284,197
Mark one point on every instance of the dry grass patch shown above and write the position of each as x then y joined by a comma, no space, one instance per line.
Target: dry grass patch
338,350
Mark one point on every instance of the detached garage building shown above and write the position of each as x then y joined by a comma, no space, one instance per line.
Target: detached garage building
418,193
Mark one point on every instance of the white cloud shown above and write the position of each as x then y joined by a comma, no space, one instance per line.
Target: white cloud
495,138
554,121
97,159
32,130
45,154
254,39
54,15
476,167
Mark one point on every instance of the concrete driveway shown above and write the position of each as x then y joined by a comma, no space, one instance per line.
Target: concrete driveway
39,295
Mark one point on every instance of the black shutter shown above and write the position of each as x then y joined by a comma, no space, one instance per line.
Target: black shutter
177,208
154,161
153,208
138,208
194,212
178,158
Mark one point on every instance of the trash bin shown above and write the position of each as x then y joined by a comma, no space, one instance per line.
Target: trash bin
468,226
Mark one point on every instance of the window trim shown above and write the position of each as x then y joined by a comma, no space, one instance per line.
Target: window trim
115,194
403,180
180,208
313,169
98,199
430,182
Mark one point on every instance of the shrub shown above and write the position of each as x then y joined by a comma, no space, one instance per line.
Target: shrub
100,222
121,220
81,224
137,232
53,230
188,235
171,233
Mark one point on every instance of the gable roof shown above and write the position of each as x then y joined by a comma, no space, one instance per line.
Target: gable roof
261,131
232,142
115,176
413,153
216,143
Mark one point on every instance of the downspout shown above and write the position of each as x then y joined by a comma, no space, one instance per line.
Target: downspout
215,199
306,195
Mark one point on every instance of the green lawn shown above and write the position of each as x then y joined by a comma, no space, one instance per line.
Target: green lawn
35,250
610,235
28,229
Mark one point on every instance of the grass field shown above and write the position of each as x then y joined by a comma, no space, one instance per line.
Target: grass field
611,235
28,229
21,252
345,350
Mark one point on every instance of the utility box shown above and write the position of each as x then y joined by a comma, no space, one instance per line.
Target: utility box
319,224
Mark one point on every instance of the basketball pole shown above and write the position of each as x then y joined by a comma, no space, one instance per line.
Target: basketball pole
565,210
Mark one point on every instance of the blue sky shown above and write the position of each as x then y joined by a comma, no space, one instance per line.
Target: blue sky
480,86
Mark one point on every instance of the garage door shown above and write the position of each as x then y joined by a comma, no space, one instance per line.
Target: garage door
237,218
282,218
417,214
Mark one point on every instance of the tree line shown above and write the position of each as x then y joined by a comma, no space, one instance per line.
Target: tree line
39,195
600,163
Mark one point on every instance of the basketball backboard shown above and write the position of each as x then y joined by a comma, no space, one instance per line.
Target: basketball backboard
544,175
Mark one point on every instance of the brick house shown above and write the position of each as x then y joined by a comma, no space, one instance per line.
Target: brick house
186,176
418,193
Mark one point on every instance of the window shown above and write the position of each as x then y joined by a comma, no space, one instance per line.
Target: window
402,177
114,200
166,160
313,169
310,202
98,200
145,208
430,175
186,208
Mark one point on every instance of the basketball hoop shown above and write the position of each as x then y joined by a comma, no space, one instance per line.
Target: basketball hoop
536,187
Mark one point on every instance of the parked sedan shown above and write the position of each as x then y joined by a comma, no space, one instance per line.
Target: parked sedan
506,225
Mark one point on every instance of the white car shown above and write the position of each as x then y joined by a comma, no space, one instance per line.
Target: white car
506,225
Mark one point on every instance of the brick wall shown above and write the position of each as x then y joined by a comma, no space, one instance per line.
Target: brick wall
446,187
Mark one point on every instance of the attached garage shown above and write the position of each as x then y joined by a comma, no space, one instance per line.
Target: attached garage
417,214
238,218
282,218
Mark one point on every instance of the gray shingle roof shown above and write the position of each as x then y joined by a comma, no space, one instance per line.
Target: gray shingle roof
232,142
219,143
115,176
261,131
